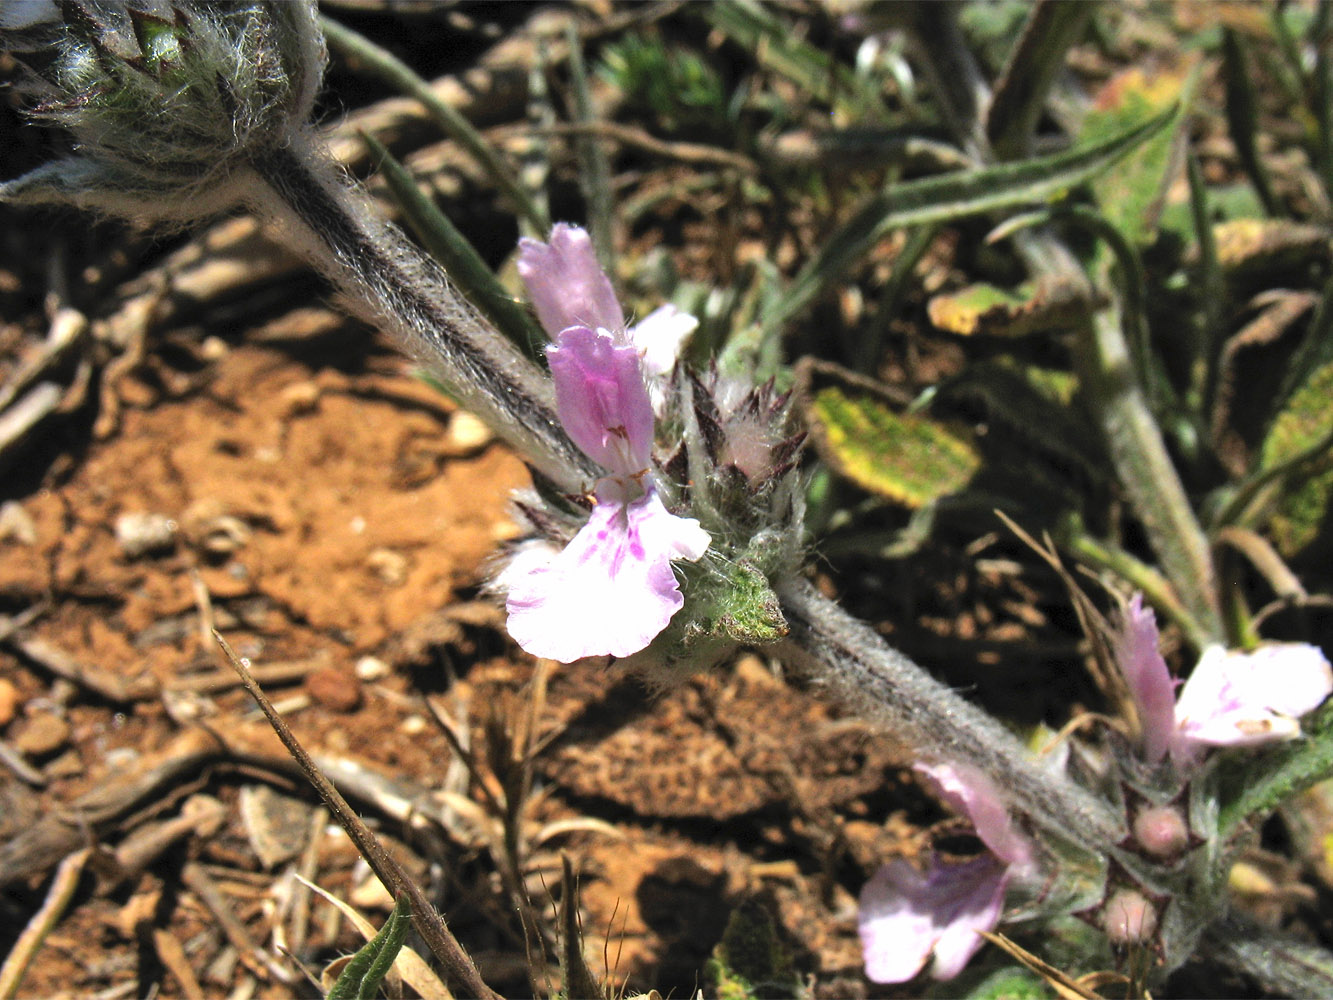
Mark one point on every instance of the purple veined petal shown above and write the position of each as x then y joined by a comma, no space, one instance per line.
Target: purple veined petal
659,337
567,285
602,400
975,796
611,590
1244,699
1140,660
907,916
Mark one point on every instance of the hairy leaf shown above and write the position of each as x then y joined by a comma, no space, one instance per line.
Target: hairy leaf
361,978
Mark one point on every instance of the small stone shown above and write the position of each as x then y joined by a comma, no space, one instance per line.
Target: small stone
334,689
467,433
9,702
42,734
16,524
390,566
372,668
213,349
413,725
299,397
141,534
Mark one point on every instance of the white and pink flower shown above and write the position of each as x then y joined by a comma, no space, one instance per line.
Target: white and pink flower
1231,698
612,589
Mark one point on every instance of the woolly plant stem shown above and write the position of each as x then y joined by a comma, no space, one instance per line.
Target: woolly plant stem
402,291
886,687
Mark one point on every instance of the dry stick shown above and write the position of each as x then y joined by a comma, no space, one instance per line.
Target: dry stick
427,921
173,956
197,880
57,899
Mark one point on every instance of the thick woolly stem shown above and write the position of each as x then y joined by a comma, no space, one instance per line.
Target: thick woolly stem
884,686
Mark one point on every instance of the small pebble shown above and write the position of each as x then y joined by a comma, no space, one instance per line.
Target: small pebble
467,433
9,702
42,734
334,689
390,566
299,397
413,725
16,524
213,349
372,668
141,534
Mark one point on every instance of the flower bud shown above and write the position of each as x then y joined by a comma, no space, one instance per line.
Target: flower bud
1161,832
1129,917
165,99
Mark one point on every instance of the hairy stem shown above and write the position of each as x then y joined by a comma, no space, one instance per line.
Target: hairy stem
1283,964
402,291
884,686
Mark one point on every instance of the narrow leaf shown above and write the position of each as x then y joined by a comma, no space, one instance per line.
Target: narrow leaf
1020,96
950,197
1264,781
1243,116
361,978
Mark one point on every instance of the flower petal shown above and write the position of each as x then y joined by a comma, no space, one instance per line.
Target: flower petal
1242,699
611,590
907,916
602,399
566,284
1146,674
975,796
659,337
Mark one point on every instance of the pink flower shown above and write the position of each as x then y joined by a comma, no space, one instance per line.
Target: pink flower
909,918
1240,699
1149,680
568,288
612,589
1231,698
566,284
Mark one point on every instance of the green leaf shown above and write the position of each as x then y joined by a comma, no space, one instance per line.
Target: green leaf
911,460
996,312
950,197
1302,435
1265,781
1011,984
361,978
1243,116
1132,194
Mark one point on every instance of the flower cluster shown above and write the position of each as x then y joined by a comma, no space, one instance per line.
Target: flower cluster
611,590
1231,699
167,101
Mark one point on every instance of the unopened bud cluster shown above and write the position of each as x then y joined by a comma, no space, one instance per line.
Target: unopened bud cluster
165,99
